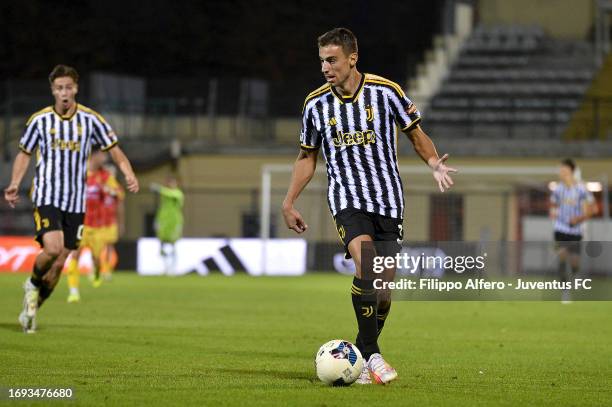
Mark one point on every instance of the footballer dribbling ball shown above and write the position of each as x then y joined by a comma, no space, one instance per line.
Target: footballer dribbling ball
338,363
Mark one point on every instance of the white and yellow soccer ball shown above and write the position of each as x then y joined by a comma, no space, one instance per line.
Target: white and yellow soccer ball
338,363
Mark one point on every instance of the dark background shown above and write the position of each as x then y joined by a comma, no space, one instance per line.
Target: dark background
188,39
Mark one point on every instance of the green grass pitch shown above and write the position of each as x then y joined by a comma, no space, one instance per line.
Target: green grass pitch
251,341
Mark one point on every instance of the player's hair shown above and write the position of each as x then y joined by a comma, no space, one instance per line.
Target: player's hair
568,162
61,71
339,36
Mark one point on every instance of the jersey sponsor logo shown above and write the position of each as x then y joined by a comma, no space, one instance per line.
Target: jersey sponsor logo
356,138
66,145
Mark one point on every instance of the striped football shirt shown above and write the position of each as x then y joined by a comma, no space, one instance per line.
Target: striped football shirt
570,201
358,137
62,145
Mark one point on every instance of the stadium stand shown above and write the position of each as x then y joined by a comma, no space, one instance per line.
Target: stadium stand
512,81
593,119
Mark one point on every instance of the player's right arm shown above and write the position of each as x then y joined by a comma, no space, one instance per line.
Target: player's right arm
27,144
303,170
20,166
553,210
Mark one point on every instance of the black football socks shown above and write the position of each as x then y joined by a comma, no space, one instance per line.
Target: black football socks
36,277
364,300
381,315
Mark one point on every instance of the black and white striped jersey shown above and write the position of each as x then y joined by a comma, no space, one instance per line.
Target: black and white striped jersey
570,200
358,137
62,145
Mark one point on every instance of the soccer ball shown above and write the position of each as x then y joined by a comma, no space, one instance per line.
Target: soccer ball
338,363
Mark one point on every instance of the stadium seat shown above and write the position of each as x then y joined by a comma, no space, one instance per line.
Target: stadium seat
506,74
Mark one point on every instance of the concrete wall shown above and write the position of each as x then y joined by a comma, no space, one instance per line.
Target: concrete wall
569,19
221,188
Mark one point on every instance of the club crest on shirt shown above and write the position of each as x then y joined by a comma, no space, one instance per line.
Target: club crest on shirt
332,121
370,113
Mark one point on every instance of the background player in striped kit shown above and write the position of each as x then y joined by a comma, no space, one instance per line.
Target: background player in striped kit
571,204
62,136
352,119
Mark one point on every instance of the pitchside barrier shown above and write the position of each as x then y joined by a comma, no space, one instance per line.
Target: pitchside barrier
272,257
17,254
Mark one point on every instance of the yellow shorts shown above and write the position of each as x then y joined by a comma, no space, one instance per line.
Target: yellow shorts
110,234
94,239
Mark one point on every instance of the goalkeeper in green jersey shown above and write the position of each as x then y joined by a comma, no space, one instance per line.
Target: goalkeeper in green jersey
169,220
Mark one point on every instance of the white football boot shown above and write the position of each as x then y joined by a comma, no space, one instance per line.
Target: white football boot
364,377
380,370
27,318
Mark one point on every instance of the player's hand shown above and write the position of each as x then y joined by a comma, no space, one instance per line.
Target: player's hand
132,183
294,220
11,195
575,220
441,173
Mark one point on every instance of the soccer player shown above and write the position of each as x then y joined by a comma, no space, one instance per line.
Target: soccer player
93,231
62,136
113,222
169,220
352,119
570,205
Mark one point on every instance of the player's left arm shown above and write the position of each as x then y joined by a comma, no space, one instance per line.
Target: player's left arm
124,165
426,149
408,117
106,138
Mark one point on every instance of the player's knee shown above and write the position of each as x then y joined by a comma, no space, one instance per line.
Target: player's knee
384,303
384,298
53,249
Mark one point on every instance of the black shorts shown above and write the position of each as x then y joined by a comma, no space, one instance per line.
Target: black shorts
351,223
49,218
568,241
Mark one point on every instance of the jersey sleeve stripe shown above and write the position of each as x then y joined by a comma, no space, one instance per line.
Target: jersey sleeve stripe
113,144
309,148
412,123
25,150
